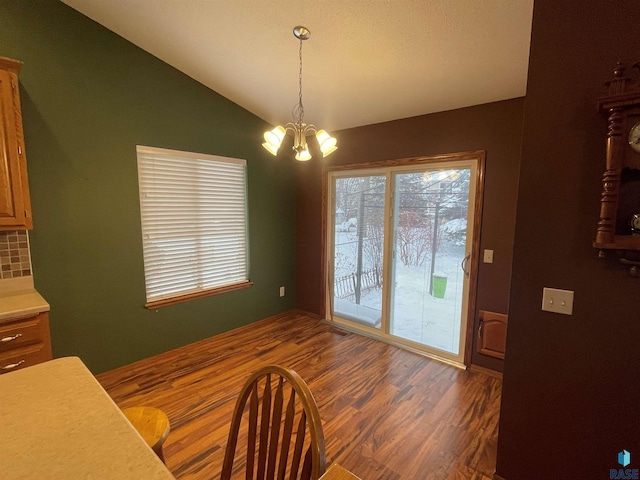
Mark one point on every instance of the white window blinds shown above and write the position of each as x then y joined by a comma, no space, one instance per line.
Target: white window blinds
194,222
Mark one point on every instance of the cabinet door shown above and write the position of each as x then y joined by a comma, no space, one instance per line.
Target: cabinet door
492,334
14,191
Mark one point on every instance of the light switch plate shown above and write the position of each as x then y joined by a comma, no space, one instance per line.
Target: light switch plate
488,256
557,301
282,291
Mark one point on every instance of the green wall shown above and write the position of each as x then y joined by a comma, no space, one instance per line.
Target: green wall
88,98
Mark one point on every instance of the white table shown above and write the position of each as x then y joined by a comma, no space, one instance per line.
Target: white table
57,422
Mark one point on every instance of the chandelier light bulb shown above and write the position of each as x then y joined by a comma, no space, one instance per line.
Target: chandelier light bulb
327,143
273,139
270,149
303,155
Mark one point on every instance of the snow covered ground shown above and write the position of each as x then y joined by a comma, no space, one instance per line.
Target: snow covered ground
415,314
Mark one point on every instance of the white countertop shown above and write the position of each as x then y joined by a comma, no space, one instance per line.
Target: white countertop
18,298
57,422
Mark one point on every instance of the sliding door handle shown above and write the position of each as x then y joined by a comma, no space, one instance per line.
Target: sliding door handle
464,264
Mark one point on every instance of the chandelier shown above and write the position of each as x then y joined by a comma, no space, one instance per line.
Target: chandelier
299,129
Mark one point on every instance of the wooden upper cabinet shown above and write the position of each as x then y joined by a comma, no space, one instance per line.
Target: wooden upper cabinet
15,204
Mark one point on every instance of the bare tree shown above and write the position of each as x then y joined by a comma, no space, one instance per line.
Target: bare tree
373,250
414,237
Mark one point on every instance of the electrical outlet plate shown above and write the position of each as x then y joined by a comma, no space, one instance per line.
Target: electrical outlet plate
557,301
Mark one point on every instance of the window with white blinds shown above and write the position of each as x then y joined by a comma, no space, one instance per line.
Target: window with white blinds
194,223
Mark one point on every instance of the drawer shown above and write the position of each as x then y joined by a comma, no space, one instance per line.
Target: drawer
22,331
22,357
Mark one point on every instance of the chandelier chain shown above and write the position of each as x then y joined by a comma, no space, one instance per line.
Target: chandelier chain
299,114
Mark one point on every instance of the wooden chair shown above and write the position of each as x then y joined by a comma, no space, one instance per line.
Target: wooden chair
279,411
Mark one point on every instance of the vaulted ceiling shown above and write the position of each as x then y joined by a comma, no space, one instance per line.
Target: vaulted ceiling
367,61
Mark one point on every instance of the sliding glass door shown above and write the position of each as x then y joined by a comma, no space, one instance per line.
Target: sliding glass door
400,251
427,266
358,248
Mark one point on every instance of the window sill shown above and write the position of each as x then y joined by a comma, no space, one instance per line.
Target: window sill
165,302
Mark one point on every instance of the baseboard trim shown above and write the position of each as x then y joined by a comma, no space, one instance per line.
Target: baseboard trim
486,371
299,311
498,477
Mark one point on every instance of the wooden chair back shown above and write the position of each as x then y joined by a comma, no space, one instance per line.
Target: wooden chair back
282,427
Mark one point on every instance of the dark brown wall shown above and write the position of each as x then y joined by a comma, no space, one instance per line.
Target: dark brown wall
571,393
494,127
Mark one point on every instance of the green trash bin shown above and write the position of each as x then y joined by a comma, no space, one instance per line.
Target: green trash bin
439,286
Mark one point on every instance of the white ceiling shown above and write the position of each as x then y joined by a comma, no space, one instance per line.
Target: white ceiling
367,61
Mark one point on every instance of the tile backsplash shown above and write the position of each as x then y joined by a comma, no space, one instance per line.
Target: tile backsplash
15,259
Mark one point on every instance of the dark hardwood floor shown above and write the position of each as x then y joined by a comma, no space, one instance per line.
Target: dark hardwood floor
387,413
